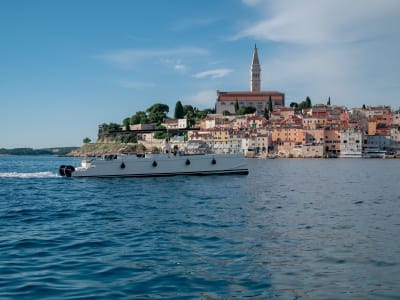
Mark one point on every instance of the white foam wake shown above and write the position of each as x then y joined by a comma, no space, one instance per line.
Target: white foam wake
28,175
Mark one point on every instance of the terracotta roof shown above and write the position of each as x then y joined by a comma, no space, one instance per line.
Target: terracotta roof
251,97
248,99
249,93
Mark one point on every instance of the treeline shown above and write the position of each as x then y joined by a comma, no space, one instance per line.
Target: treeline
157,114
305,104
29,151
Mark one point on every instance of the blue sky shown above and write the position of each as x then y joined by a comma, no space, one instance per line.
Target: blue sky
67,66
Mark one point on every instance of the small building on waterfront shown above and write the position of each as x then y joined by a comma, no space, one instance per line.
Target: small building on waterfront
351,142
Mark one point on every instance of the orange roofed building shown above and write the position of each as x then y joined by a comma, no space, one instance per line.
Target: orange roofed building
230,101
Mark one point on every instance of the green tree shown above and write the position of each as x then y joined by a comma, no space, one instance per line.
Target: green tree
226,113
270,108
86,140
308,103
305,104
191,118
266,113
110,127
201,114
187,109
139,118
126,123
236,106
179,112
244,110
157,112
294,104
329,101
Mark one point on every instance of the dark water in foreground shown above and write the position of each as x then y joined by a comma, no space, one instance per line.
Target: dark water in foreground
291,229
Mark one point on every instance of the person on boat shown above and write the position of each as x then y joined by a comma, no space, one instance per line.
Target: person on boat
167,146
175,151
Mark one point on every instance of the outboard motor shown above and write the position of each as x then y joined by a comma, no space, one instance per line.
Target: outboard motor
61,170
69,170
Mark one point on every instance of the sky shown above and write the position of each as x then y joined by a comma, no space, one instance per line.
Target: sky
67,66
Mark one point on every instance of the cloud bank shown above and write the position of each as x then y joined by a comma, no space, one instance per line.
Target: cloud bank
346,49
130,57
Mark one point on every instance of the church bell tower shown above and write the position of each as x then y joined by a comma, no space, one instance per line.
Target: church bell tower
255,72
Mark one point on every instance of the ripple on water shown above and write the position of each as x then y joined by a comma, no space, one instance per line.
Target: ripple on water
282,232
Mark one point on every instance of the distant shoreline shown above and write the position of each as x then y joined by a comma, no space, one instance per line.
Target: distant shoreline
59,151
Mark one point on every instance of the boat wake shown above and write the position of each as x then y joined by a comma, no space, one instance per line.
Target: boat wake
29,175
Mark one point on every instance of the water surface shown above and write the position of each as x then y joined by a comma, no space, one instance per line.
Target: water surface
291,229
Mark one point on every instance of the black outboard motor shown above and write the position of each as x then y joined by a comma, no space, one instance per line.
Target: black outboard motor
61,170
69,170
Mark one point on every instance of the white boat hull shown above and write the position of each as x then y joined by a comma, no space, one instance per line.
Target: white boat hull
161,165
374,153
351,155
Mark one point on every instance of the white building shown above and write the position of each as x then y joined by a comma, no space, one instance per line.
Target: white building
259,143
351,143
396,118
175,123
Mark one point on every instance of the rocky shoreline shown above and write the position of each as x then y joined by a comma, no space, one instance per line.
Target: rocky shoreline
100,149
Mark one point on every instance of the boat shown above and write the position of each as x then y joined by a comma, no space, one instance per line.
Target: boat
162,164
350,153
374,153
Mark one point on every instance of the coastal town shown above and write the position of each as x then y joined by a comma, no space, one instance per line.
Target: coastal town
260,124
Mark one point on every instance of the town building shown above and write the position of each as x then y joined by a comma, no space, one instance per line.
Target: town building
395,137
351,142
332,141
175,123
396,118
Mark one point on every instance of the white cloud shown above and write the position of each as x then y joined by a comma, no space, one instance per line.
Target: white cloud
348,49
324,22
217,73
204,98
130,57
180,67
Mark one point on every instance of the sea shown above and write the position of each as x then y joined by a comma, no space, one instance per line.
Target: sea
291,229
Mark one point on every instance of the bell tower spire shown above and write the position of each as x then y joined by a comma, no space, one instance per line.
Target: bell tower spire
255,72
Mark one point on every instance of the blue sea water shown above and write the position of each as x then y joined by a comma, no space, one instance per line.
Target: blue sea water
291,229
